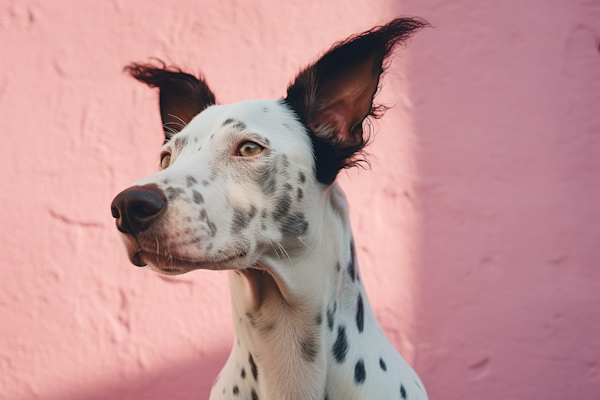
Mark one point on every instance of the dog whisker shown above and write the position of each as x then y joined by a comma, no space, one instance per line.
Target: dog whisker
275,250
183,123
171,131
166,126
286,253
307,246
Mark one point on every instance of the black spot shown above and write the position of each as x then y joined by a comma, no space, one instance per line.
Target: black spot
173,193
212,227
252,212
360,314
402,391
191,181
299,194
283,207
340,347
294,225
359,372
308,348
264,326
205,182
181,142
319,319
254,395
243,373
285,161
196,140
198,199
228,121
301,177
239,220
202,215
236,390
253,367
250,317
242,251
330,315
239,126
265,178
265,109
351,267
288,187
267,327
337,267
382,364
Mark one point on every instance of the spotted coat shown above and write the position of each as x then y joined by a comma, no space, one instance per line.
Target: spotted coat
250,188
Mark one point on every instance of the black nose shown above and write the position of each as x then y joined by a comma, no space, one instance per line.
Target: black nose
137,207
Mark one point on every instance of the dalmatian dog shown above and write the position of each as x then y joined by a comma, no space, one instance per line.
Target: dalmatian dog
250,188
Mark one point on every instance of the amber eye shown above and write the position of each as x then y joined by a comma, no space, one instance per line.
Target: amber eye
249,149
165,160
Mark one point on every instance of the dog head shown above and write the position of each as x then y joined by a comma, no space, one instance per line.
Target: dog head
237,181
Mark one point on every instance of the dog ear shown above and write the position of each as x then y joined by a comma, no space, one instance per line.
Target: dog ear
334,96
182,96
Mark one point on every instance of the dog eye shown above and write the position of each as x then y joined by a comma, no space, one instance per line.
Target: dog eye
165,160
249,149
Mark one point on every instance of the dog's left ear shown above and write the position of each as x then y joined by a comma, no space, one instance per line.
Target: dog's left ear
182,96
334,96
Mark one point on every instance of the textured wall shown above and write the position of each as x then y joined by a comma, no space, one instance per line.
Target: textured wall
477,227
506,99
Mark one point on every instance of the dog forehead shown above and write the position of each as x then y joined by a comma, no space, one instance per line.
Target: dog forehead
271,119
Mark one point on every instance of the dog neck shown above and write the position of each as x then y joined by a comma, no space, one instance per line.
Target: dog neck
284,308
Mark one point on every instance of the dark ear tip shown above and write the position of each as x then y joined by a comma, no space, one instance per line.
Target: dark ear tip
148,72
409,24
400,30
139,66
417,22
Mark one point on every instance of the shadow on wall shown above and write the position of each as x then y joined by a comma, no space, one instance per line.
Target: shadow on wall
184,381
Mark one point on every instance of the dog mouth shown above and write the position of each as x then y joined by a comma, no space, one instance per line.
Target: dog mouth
170,264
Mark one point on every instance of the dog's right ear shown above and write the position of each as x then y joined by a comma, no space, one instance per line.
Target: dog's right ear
182,96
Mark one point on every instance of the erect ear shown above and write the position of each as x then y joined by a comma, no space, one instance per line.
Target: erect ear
334,96
182,96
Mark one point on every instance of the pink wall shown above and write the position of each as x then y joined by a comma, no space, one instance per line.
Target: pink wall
478,227
506,104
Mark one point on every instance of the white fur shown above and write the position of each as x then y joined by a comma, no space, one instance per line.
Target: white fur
284,283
